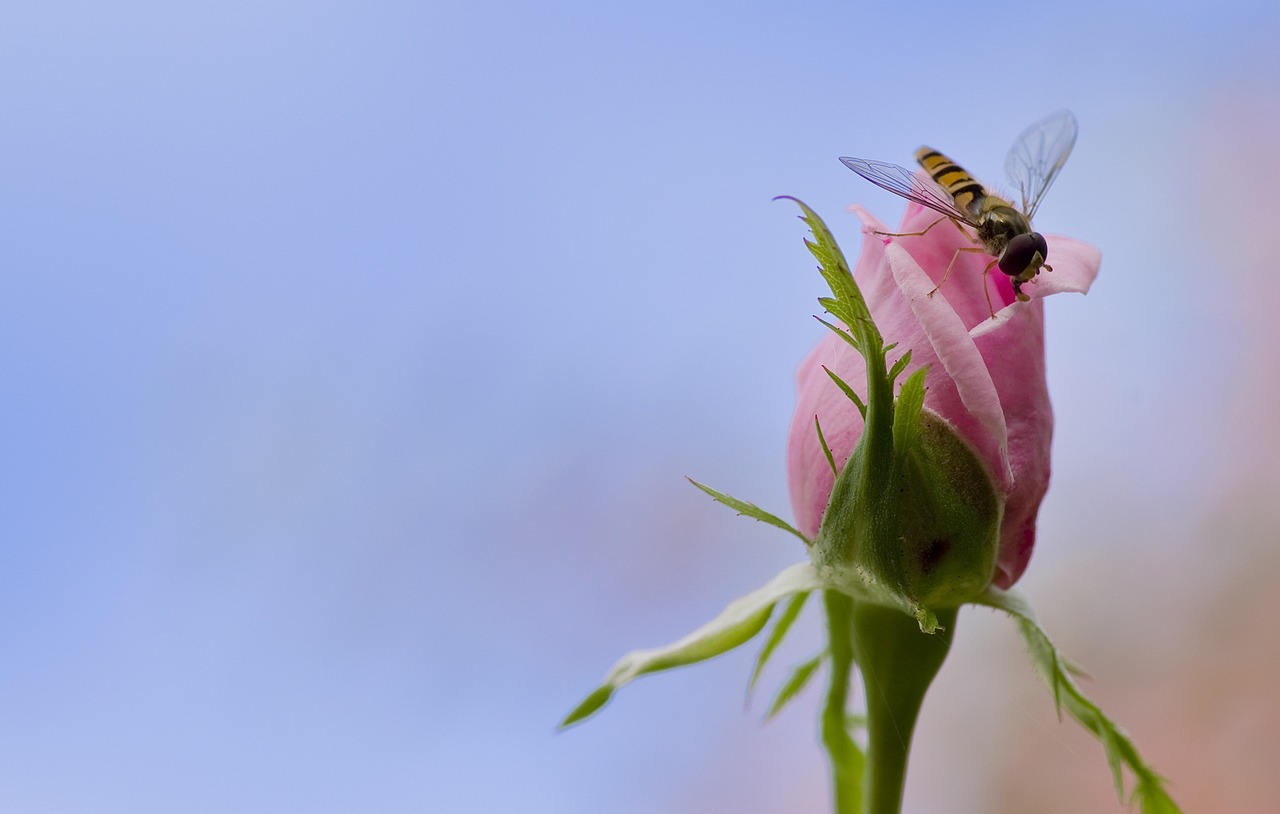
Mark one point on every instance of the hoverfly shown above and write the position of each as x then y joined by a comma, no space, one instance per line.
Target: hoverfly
1003,230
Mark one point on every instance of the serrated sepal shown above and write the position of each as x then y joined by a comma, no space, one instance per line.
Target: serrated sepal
736,624
1149,793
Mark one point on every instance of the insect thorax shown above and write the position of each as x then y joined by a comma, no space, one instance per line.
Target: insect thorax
998,223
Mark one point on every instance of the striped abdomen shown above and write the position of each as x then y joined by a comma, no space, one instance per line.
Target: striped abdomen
949,175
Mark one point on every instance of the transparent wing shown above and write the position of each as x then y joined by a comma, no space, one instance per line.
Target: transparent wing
904,182
1038,155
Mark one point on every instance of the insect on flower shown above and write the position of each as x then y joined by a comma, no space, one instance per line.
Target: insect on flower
1003,230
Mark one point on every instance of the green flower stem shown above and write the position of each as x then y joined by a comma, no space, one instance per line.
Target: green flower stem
898,663
846,757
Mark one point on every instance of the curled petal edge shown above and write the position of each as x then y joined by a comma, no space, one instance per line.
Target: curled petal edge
1075,268
955,349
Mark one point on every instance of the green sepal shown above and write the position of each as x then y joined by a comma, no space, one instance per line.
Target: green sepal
900,365
826,450
840,332
847,304
751,510
795,683
780,629
738,623
1149,792
848,391
906,414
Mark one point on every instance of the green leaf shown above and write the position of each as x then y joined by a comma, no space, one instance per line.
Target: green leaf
848,391
826,450
780,628
741,620
795,683
1149,792
906,413
750,510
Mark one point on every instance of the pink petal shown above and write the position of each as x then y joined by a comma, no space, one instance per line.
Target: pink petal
808,473
1075,267
1015,358
956,351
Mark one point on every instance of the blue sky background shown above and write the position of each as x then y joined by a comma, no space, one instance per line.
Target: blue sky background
354,354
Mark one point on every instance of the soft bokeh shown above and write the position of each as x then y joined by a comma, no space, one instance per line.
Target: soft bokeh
354,353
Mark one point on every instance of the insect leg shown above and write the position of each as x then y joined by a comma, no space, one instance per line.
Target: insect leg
986,289
922,232
947,273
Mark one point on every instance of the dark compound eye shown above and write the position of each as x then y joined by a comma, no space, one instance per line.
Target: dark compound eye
1020,255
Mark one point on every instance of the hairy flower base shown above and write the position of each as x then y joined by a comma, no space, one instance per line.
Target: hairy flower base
923,535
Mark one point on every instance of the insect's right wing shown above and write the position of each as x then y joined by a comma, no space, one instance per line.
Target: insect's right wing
904,182
1037,157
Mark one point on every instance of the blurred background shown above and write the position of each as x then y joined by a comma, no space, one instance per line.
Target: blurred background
354,354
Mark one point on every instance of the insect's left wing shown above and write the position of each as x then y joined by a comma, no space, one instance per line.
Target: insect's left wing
904,182
1037,157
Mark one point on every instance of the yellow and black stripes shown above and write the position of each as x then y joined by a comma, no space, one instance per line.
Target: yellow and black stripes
951,177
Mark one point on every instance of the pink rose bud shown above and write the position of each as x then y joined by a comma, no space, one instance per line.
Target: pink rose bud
967,496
